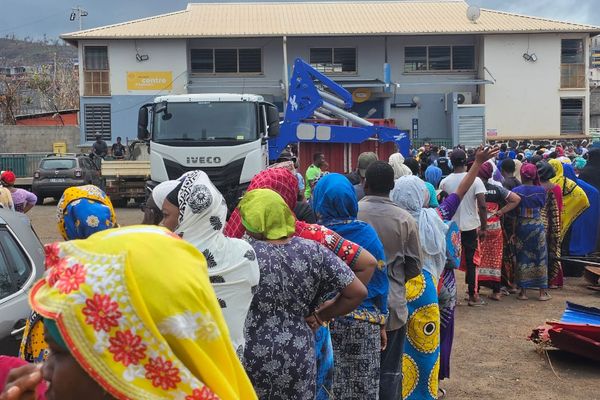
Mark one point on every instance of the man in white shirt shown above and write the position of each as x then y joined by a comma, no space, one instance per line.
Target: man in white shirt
471,217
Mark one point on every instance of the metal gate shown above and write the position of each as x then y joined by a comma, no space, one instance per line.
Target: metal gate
471,131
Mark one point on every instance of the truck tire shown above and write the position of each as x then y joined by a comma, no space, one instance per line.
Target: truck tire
120,203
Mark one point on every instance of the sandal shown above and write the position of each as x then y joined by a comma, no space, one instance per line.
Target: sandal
442,393
545,297
495,296
522,297
477,303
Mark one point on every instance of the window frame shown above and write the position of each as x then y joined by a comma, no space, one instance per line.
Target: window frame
332,48
441,71
237,50
583,121
573,75
98,73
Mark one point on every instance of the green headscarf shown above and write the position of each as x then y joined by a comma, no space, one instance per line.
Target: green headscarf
264,211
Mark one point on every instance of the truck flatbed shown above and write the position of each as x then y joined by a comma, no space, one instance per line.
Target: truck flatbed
126,169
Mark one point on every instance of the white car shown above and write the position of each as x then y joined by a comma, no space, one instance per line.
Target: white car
21,265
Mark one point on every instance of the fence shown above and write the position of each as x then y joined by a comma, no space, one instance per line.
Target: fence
22,164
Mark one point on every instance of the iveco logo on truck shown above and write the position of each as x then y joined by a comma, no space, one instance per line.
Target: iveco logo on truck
204,160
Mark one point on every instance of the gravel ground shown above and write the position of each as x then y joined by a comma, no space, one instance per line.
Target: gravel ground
491,358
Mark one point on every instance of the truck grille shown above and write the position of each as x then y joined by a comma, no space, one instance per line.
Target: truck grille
226,179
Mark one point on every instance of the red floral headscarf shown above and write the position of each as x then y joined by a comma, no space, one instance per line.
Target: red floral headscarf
280,180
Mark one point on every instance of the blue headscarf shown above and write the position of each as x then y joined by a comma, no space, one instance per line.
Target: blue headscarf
512,154
584,231
334,202
433,175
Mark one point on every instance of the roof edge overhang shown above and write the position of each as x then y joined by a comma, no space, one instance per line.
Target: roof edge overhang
74,39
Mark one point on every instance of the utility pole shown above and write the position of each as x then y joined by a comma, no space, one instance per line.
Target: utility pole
78,13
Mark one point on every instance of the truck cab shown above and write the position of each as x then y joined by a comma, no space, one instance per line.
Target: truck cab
225,135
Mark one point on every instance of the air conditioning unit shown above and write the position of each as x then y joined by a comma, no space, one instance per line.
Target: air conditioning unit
464,98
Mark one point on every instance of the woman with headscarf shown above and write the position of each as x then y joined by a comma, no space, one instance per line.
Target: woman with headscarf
196,211
82,211
297,275
356,336
499,201
396,160
428,310
433,175
575,201
579,164
551,217
530,232
591,174
591,171
361,262
112,337
584,231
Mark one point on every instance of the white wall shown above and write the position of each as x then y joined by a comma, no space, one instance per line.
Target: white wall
165,55
525,100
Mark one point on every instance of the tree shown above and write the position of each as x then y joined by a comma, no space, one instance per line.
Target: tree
10,99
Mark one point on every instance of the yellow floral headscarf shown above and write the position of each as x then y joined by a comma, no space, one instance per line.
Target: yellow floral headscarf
575,200
84,210
140,330
264,211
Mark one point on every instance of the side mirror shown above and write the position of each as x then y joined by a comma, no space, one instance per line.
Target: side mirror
142,132
272,120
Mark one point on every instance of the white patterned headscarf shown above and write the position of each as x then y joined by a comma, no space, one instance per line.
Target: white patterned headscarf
232,265
410,194
396,160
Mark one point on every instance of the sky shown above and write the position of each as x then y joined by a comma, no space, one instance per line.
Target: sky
36,18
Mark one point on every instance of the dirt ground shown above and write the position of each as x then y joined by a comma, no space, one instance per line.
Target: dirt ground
491,358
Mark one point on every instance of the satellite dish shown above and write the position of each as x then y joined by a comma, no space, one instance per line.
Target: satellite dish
473,13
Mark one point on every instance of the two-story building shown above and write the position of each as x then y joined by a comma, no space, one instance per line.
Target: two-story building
442,70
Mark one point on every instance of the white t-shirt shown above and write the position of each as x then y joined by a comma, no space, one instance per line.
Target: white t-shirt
467,216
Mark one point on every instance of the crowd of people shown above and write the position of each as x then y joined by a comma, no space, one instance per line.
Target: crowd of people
320,286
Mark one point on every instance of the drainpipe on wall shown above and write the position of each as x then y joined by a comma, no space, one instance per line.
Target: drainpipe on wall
387,80
286,83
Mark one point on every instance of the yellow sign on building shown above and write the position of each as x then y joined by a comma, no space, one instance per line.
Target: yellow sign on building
150,80
361,95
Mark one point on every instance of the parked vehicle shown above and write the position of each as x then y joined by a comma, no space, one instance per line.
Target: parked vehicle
61,171
123,180
21,265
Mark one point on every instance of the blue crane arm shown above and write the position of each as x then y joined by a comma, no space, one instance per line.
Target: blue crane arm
305,99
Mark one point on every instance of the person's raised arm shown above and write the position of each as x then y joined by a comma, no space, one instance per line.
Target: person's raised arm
481,156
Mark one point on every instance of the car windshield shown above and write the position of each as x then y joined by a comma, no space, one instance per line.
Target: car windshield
58,164
206,121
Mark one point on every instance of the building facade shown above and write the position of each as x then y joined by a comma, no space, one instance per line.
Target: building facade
443,71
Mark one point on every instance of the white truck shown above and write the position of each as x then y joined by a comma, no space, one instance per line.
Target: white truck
225,135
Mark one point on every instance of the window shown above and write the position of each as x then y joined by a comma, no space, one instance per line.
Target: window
55,163
226,61
572,69
439,58
335,60
415,59
571,116
463,58
95,71
97,121
19,263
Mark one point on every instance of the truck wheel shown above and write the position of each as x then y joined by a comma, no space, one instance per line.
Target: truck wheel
120,203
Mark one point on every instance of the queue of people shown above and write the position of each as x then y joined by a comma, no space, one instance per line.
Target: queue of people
264,305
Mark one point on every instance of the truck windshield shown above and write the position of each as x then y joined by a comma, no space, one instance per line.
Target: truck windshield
206,121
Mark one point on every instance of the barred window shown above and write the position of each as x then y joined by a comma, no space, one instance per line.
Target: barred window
97,121
334,60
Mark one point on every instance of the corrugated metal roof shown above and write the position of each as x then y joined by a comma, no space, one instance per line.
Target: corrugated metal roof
325,19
